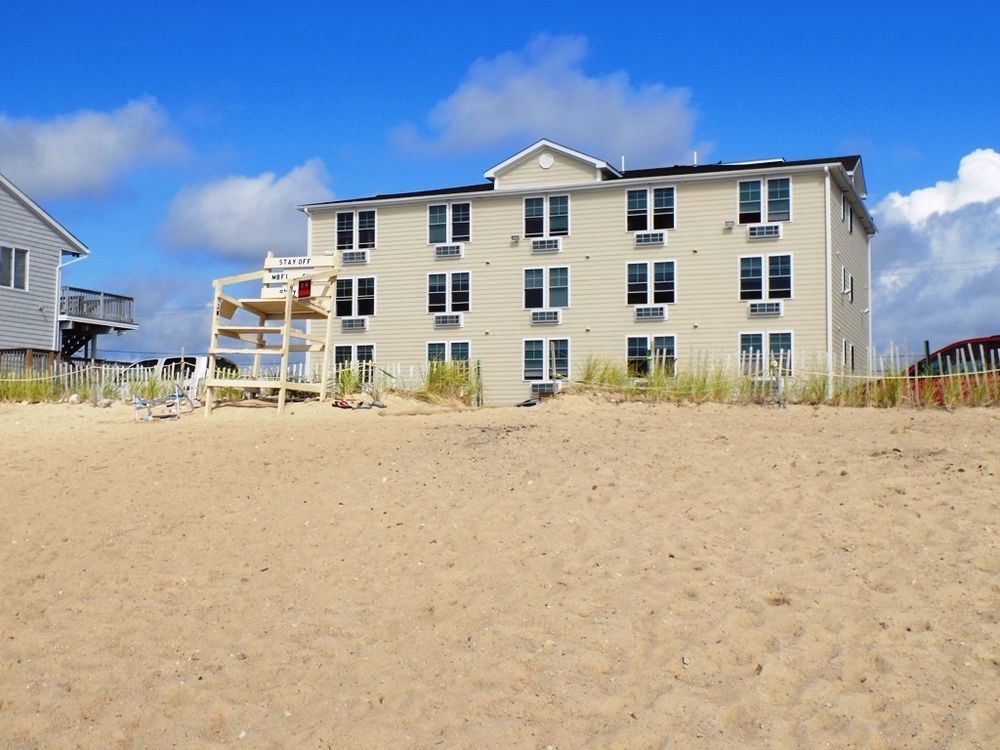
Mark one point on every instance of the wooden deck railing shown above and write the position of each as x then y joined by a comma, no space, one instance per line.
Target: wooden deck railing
91,305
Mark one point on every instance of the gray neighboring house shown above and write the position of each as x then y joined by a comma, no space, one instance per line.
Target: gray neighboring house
37,313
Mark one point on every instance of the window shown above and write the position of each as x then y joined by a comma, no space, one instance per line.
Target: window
637,212
541,223
448,292
546,359
750,202
13,268
776,359
438,223
779,200
850,219
639,292
843,206
454,351
360,356
649,353
546,287
780,352
355,230
355,297
779,277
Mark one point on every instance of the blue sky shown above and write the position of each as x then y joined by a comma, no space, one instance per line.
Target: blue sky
175,142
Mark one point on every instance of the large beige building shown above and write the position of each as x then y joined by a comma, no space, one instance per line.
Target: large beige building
559,257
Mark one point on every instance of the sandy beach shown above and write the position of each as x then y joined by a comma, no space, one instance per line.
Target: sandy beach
581,574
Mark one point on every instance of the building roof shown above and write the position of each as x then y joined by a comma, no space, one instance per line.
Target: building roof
545,144
78,248
851,165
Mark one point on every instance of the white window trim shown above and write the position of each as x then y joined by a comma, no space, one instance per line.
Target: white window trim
354,296
546,235
448,292
449,240
764,207
650,209
546,375
766,280
650,281
355,229
649,341
447,349
766,347
354,352
27,268
546,287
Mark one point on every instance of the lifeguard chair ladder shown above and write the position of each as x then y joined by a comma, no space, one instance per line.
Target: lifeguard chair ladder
293,290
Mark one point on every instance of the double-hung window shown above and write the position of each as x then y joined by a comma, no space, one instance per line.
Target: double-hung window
449,222
355,230
639,289
448,292
766,354
13,268
451,351
362,356
779,200
546,359
638,218
355,297
546,216
777,284
649,353
546,287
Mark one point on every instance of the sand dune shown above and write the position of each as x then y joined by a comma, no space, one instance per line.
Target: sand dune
581,574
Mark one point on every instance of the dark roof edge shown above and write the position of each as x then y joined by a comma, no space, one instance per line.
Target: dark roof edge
847,162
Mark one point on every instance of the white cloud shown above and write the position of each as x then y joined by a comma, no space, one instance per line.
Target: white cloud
542,92
937,258
86,151
246,216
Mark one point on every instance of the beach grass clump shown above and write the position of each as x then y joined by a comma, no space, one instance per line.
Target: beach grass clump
32,389
448,381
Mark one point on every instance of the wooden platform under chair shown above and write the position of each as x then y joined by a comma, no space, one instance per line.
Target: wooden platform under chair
293,290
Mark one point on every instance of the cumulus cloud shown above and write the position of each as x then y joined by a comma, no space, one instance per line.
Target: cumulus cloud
542,91
84,152
937,258
246,216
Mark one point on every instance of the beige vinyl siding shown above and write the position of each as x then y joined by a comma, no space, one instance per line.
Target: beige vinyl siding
565,170
850,251
706,318
29,317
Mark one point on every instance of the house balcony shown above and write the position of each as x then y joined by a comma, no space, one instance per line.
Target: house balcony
85,314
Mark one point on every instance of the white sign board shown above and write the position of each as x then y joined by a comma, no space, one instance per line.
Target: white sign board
282,270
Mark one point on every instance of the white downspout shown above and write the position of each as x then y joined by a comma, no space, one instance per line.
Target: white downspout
871,325
55,305
829,292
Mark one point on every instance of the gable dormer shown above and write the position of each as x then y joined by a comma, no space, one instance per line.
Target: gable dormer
547,164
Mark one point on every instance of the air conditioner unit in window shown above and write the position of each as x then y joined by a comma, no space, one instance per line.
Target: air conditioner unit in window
764,309
645,239
543,317
448,320
448,251
354,257
545,389
551,245
650,312
764,232
354,324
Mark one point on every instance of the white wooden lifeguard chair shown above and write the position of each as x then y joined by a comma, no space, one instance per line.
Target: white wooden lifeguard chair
293,290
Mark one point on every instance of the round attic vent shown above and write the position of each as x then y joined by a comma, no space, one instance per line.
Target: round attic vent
545,161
